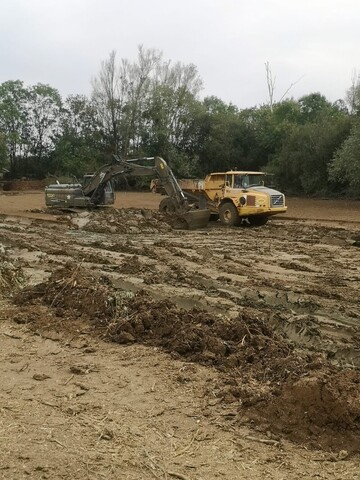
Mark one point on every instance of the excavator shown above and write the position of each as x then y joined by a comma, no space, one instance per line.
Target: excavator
97,190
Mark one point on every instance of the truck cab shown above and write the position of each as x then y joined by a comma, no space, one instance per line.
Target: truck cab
237,195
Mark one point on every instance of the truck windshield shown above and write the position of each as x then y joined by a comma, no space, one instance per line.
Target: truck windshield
246,181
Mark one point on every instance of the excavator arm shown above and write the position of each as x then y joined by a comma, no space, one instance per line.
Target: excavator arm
94,189
165,175
93,192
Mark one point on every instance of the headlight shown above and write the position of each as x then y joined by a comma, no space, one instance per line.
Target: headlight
242,201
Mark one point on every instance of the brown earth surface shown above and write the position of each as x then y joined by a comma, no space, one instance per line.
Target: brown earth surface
132,350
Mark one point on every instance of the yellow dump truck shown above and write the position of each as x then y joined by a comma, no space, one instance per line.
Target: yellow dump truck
234,196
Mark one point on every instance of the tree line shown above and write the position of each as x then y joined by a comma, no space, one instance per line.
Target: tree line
152,106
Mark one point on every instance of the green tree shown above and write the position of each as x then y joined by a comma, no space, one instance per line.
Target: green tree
301,166
315,106
28,119
44,104
14,119
265,131
3,151
344,170
79,143
171,111
223,136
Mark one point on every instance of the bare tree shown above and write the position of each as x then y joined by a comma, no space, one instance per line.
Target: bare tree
119,92
132,97
108,95
353,93
270,81
140,75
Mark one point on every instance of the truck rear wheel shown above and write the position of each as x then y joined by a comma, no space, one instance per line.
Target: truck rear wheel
167,206
228,214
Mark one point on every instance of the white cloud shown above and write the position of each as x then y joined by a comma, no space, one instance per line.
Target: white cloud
63,43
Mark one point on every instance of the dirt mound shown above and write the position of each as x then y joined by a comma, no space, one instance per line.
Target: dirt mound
322,407
196,334
72,291
263,375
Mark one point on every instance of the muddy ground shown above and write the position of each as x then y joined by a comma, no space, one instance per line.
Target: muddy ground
133,350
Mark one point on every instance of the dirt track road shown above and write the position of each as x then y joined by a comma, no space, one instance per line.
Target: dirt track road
252,370
20,203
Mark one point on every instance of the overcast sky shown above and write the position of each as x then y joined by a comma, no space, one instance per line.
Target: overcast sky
312,43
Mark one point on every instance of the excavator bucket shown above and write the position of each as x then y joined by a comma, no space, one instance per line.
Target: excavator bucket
196,219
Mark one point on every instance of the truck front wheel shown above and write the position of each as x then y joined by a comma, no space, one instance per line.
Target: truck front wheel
258,220
228,214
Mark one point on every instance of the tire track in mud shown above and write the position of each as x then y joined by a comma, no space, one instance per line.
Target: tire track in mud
222,269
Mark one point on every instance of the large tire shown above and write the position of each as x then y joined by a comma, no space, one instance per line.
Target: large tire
167,206
258,220
228,214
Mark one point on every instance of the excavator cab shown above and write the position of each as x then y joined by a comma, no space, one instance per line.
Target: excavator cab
108,194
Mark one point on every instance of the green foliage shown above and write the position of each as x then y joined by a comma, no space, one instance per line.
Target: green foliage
79,142
28,118
44,105
344,170
301,166
182,165
13,118
222,134
312,106
3,151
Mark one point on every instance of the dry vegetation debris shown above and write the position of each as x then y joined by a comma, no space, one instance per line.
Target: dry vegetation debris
12,275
